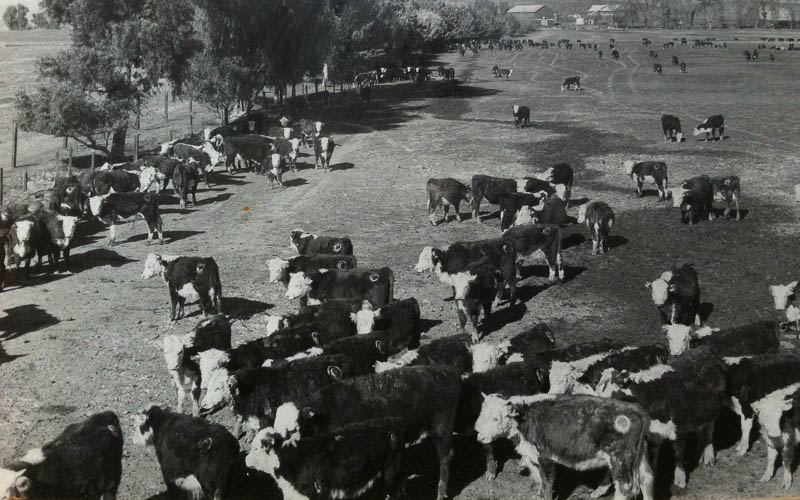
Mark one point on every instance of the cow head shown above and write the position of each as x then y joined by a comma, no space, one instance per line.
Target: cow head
299,286
96,203
462,283
214,371
496,419
486,355
284,122
262,455
154,265
679,195
295,148
365,318
425,261
67,223
14,484
23,230
628,166
318,128
702,129
660,288
516,110
274,323
166,148
207,134
275,160
679,137
214,156
148,176
582,213
277,269
612,381
781,294
143,432
173,351
678,337
295,235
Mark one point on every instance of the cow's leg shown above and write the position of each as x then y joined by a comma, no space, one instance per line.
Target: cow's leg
150,229
177,379
462,318
194,197
476,207
708,452
595,240
66,259
445,211
173,302
746,426
679,446
457,208
491,463
736,203
547,469
112,234
444,450
647,477
638,189
772,458
195,377
560,264
160,228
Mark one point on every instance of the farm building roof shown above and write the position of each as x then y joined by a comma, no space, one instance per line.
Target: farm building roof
526,9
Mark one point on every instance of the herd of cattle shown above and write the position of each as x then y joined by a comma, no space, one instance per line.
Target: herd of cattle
332,396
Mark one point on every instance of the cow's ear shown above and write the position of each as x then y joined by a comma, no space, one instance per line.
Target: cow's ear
316,337
341,265
673,288
541,374
71,189
335,372
204,445
791,286
727,182
380,345
648,285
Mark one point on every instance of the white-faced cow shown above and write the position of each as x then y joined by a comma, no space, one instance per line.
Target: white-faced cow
676,294
188,278
711,125
648,171
522,115
671,126
695,197
726,189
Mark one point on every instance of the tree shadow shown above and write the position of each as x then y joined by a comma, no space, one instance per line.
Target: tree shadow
169,237
98,257
21,320
230,180
242,308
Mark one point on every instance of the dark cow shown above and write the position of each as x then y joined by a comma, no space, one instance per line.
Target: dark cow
561,177
522,115
599,219
671,126
327,321
529,238
511,204
552,211
536,186
726,189
676,294
280,270
188,278
400,319
711,125
110,207
165,166
453,350
634,359
206,156
375,285
450,73
648,171
504,73
446,193
695,198
120,181
197,457
84,461
529,342
756,338
653,54
615,54
66,197
569,83
675,60
307,244
250,148
323,150
185,178
682,67
368,78
475,290
491,188
657,68
600,54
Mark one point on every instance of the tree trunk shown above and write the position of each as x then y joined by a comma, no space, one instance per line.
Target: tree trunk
118,144
225,116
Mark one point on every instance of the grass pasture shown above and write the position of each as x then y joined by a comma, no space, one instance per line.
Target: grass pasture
90,341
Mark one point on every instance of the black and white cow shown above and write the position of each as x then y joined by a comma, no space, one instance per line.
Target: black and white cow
671,126
446,193
274,165
185,179
57,232
695,197
552,211
675,60
327,321
374,285
522,115
726,189
453,350
279,133
288,148
476,288
779,419
280,270
250,148
504,73
561,177
323,150
307,130
784,298
569,83
400,319
66,197
345,463
25,236
581,432
757,338
527,239
120,181
306,243
165,167
512,205
110,207
84,461
599,219
197,458
657,68
711,125
682,66
631,360
676,294
648,171
615,54
188,278
524,345
491,188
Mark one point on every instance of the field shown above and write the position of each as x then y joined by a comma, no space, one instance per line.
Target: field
84,342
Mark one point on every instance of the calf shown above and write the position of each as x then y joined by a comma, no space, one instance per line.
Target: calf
757,338
375,285
530,238
582,432
280,270
400,319
780,428
657,68
615,54
695,197
446,193
166,168
599,219
307,244
188,278
66,197
505,73
423,397
308,130
274,165
512,203
342,464
524,345
561,177
726,189
279,132
569,83
57,231
676,294
323,150
522,115
197,457
24,238
326,322
206,156
671,126
110,207
287,148
491,188
250,148
84,461
552,211
682,67
648,171
475,288
653,54
453,350
185,179
711,125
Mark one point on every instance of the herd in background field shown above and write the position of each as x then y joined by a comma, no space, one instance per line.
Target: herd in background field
331,396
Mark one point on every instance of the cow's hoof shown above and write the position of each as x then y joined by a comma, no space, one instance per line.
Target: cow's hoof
489,476
741,450
787,479
600,490
765,477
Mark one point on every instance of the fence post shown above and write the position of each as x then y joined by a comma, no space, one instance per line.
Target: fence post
191,118
25,180
14,147
170,134
92,161
166,106
65,142
136,147
69,164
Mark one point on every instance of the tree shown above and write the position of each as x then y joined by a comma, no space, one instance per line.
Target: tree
123,50
43,21
16,17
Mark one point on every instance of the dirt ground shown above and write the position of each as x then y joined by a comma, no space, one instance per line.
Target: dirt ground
88,341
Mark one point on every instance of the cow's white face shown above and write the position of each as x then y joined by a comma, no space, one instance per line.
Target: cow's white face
287,133
262,454
212,153
142,430
295,145
678,195
275,158
173,351
95,203
424,263
13,484
365,318
701,129
525,215
516,109
24,229
318,127
461,283
207,134
277,269
287,420
153,266
495,420
628,166
781,294
792,313
678,337
485,356
68,224
679,137
659,290
218,393
165,148
582,213
299,286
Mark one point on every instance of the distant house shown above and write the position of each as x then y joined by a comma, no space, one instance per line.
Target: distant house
602,14
535,12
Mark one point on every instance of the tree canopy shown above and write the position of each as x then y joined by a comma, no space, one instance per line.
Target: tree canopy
16,17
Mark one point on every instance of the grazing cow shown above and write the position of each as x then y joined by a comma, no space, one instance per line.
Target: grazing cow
648,171
475,288
308,244
491,188
615,54
569,83
446,193
453,350
711,125
581,432
197,457
675,60
188,278
400,319
185,179
657,68
323,150
366,78
561,177
522,115
182,353
779,413
504,73
527,239
676,294
110,207
726,189
682,67
496,70
375,285
250,148
274,165
57,232
511,203
121,181
671,126
599,219
520,347
425,398
653,54
280,270
695,198
84,461
342,464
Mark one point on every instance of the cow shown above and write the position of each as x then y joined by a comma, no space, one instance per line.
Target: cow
599,54
581,432
631,360
250,148
274,165
165,167
446,193
676,294
450,73
757,338
206,156
675,60
110,207
453,350
307,130
368,77
524,345
657,68
527,239
305,243
671,126
327,321
279,133
197,457
342,464
615,54
511,204
188,278
323,150
280,270
504,73
25,236
57,232
779,414
726,189
400,319
653,54
185,179
287,148
522,115
648,171
561,177
599,219
121,181
695,197
552,211
682,67
83,461
711,125
491,188
375,285
66,197
475,288
569,83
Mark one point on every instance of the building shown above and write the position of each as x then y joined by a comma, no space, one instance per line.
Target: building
533,13
602,14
